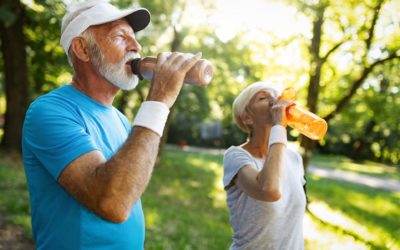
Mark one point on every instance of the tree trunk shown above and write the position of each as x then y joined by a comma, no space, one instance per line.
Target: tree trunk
16,75
362,144
315,77
175,45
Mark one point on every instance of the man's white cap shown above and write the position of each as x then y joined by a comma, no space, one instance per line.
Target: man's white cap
101,12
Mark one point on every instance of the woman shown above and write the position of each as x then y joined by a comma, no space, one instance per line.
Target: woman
262,177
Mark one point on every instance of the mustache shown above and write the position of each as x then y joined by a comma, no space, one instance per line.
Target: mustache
129,57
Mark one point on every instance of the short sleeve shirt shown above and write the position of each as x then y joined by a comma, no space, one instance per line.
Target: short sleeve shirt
265,225
59,127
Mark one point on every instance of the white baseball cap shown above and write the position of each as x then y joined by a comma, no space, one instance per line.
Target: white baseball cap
101,13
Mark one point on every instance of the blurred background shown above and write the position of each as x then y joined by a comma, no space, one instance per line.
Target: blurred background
342,58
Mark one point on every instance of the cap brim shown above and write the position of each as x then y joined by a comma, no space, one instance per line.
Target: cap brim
139,19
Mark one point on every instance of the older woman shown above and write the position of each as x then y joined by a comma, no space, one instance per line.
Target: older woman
262,177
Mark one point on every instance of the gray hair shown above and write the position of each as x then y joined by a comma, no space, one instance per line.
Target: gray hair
74,11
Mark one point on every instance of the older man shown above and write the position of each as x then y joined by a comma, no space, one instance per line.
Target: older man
86,168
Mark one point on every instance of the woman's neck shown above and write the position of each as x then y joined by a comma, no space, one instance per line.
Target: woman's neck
257,145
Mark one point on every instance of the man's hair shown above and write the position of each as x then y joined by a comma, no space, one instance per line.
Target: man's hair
73,11
242,100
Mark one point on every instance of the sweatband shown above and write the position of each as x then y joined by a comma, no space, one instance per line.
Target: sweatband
277,135
152,115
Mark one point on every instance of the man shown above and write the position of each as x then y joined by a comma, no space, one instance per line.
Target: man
86,168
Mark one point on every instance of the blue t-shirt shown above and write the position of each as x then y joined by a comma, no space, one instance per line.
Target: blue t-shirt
58,128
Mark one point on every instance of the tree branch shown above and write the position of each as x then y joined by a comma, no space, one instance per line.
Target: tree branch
357,83
371,31
324,58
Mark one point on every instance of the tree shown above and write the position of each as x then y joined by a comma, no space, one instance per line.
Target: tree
29,36
361,40
13,47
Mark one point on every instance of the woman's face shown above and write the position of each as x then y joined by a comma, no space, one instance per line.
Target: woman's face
259,107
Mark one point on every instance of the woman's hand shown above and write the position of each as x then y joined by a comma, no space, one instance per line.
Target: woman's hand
278,112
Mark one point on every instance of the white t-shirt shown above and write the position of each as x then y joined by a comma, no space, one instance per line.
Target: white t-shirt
265,225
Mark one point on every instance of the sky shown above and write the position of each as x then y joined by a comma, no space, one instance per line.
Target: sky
254,15
233,16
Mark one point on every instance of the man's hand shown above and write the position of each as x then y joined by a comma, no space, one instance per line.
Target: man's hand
169,74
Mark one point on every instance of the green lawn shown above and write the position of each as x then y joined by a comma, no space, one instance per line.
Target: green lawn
369,216
14,198
185,207
185,203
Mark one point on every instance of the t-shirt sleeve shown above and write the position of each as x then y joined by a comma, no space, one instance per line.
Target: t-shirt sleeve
56,135
234,160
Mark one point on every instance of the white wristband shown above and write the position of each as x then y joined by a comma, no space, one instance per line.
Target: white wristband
152,115
277,135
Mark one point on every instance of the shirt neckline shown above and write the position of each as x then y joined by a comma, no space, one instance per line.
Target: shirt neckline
88,98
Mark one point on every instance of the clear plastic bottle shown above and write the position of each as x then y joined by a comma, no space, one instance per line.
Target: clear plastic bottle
307,123
200,74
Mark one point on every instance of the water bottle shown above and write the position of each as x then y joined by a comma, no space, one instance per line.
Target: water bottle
307,123
200,74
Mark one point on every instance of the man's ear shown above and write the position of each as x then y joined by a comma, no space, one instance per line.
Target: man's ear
80,49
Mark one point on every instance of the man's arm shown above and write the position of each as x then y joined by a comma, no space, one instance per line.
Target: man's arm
110,188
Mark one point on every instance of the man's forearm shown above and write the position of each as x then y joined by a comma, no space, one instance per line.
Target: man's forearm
124,178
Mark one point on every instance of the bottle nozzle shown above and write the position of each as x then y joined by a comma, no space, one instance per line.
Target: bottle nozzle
288,94
135,67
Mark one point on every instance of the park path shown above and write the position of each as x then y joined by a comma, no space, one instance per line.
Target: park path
361,179
335,174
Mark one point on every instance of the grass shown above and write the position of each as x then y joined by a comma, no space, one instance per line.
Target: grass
185,203
368,215
14,198
185,207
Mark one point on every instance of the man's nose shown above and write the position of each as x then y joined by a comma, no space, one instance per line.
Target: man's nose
133,45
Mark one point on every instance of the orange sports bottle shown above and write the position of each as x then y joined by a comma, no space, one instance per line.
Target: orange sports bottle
307,123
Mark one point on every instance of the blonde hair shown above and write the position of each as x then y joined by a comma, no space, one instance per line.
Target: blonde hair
242,100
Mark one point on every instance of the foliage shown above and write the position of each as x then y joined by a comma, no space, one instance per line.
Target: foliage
356,55
48,65
375,130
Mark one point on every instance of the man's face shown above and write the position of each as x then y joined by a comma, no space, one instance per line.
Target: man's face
115,46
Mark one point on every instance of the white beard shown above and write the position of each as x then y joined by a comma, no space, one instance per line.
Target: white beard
115,73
